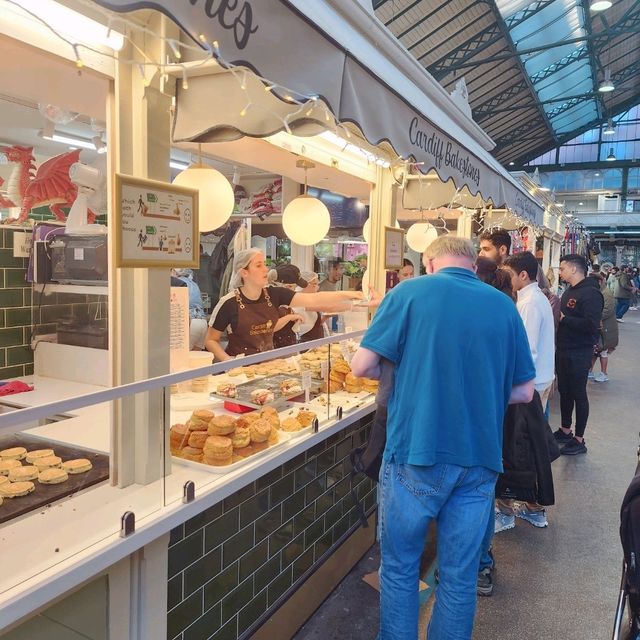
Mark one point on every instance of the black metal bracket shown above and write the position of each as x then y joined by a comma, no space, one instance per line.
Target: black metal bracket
188,491
127,524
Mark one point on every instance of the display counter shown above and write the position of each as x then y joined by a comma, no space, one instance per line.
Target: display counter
251,529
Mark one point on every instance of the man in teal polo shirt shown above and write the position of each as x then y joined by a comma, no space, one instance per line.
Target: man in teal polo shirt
461,355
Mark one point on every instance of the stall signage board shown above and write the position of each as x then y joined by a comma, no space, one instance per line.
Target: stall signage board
393,248
156,224
179,329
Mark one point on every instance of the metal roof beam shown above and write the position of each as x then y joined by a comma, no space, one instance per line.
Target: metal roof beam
422,20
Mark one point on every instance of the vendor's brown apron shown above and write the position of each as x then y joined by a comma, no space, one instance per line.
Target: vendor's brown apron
254,331
316,332
285,337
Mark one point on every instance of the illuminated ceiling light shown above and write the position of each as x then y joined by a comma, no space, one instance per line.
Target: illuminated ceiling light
600,5
606,86
420,235
215,194
349,147
73,24
596,174
71,141
610,130
99,144
581,204
511,163
306,220
612,156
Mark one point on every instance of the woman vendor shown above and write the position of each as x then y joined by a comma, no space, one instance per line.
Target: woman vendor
249,312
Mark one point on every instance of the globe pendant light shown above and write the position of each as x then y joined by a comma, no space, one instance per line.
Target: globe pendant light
420,235
366,230
306,220
215,193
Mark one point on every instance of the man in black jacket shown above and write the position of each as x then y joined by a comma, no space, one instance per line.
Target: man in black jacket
580,318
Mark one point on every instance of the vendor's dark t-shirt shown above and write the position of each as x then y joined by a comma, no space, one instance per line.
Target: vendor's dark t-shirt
225,313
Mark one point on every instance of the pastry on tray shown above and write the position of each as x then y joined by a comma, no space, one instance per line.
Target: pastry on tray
16,489
291,424
260,430
227,389
305,418
221,426
7,465
49,462
32,456
261,396
199,420
15,453
53,476
20,474
290,386
80,465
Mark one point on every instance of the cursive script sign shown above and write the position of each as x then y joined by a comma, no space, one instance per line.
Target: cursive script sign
232,15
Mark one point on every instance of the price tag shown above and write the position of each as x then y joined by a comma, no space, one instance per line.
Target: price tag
306,384
346,354
294,361
324,369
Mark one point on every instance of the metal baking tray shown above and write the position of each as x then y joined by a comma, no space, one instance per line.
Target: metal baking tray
272,383
44,494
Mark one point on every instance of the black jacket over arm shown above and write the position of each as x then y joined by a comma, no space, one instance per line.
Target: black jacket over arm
527,451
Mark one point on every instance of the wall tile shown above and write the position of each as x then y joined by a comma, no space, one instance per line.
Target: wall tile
222,584
252,611
233,602
222,529
293,505
293,550
7,259
269,478
180,617
302,564
281,489
266,574
176,535
280,538
205,626
228,632
202,519
237,545
11,372
174,591
239,496
279,585
185,552
252,509
254,559
15,278
19,355
268,523
202,571
10,337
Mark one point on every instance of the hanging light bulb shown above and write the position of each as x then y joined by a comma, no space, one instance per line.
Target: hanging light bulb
600,5
606,86
612,156
306,220
420,235
610,129
215,194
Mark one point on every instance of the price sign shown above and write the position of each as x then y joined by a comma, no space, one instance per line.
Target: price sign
324,370
306,384
295,362
346,353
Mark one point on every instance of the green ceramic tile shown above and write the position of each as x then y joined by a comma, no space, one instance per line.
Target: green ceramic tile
237,545
326,459
316,450
280,538
305,474
15,278
279,586
26,297
239,496
315,488
269,478
281,489
203,519
222,528
185,553
228,632
293,505
304,519
174,591
237,599
11,372
3,361
324,503
54,312
12,298
254,559
10,337
28,369
341,527
19,355
222,584
185,614
293,550
343,448
252,611
176,535
7,259
252,509
2,318
312,533
342,488
335,474
293,464
202,571
266,574
370,501
333,515
268,523
302,564
204,627
7,241
322,546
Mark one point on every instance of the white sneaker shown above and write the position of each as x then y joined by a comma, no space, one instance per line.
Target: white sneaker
619,319
591,376
503,522
601,377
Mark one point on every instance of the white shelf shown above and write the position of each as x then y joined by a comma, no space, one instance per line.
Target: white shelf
50,287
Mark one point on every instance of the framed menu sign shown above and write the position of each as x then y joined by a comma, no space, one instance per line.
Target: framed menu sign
156,224
393,248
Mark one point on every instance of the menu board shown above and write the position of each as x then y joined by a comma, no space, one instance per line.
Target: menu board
156,224
179,329
393,248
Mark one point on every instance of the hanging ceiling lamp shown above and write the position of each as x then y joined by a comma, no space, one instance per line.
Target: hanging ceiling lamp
215,194
609,130
606,86
420,235
600,5
306,220
612,156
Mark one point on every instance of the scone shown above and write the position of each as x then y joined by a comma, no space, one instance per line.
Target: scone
191,453
353,384
341,366
332,386
178,436
15,453
32,456
261,396
16,489
227,389
290,386
3,479
200,419
53,476
7,465
50,462
218,451
221,426
290,424
198,438
260,431
241,437
20,474
79,465
305,418
370,385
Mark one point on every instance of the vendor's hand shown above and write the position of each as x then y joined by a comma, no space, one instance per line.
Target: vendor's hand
375,298
295,317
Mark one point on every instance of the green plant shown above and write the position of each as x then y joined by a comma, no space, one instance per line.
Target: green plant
356,267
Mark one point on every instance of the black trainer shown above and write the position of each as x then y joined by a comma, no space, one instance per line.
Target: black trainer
484,586
561,437
573,448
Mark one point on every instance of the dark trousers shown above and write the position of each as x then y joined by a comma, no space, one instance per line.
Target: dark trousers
622,306
572,369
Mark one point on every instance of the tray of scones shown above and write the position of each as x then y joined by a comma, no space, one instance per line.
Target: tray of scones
35,472
223,443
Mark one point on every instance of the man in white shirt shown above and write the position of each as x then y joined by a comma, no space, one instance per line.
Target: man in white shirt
537,315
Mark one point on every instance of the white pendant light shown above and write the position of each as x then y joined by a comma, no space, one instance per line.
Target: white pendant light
215,194
612,156
606,86
600,5
610,129
420,235
366,230
306,220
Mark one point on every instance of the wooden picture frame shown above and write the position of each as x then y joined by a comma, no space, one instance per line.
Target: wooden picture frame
393,248
156,224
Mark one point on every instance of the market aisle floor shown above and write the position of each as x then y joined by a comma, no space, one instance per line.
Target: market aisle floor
559,582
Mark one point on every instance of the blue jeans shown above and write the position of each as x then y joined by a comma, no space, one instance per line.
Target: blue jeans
622,306
486,559
460,499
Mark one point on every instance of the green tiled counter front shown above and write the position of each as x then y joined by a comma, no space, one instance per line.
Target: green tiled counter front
234,564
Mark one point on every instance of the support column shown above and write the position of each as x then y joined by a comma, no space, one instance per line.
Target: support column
382,213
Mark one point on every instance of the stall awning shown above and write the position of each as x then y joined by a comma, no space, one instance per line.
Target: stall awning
278,42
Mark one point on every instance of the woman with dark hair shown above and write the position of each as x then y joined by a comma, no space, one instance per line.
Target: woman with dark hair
489,272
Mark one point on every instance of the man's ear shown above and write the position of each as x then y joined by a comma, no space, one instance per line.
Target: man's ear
475,268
